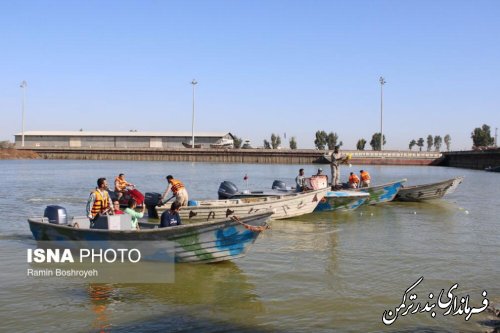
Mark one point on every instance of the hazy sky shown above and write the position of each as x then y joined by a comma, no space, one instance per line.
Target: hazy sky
263,67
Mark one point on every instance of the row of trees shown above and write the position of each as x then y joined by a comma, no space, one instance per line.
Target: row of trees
436,141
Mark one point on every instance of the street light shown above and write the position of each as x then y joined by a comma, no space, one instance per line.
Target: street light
23,86
192,124
382,82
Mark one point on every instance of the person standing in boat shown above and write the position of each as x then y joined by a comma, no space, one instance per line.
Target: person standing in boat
300,181
178,189
99,201
132,204
171,217
365,178
121,185
353,180
336,159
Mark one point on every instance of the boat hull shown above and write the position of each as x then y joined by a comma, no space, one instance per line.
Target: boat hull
283,206
381,193
204,242
341,200
428,191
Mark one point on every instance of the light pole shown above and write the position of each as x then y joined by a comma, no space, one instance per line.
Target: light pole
382,82
23,86
496,133
192,124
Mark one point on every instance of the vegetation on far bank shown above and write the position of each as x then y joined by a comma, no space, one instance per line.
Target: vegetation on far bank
8,152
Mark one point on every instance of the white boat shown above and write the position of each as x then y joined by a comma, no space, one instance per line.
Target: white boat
223,143
247,145
428,191
284,206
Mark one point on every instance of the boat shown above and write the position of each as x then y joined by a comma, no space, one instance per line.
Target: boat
428,191
223,143
247,145
204,242
381,193
341,200
492,169
190,145
284,206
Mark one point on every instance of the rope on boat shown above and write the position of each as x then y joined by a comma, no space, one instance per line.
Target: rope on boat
251,227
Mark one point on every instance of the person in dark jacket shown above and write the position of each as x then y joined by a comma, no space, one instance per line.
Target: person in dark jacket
171,217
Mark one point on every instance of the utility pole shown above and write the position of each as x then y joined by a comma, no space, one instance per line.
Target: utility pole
382,82
23,85
192,124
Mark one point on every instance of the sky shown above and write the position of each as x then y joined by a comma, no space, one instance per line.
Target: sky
290,68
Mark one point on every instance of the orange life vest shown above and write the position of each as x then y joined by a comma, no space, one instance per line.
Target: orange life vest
100,204
365,176
176,186
353,179
120,184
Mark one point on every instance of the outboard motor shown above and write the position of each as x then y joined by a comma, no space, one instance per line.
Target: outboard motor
56,214
151,200
279,185
227,190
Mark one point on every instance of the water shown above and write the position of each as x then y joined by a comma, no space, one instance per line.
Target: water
325,272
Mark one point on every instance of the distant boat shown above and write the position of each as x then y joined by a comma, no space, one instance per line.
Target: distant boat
190,145
223,143
428,191
493,169
247,145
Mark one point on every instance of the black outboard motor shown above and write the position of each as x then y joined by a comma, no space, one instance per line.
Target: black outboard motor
56,214
279,185
227,190
151,200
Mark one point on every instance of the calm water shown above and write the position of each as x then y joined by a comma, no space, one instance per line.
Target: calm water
328,272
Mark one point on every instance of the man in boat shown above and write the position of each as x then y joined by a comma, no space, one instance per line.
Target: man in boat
365,178
320,172
130,210
171,217
353,180
300,181
116,208
99,201
336,160
178,189
121,185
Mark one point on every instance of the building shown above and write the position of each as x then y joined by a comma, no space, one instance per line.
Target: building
104,139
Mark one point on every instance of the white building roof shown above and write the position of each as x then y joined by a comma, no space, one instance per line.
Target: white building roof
109,133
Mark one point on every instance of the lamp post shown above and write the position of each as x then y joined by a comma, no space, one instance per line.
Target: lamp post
496,133
23,86
192,124
382,82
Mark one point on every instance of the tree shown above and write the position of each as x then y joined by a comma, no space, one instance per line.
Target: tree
275,141
361,144
267,145
237,141
481,137
293,143
430,142
420,143
321,139
437,142
447,141
375,142
331,140
412,143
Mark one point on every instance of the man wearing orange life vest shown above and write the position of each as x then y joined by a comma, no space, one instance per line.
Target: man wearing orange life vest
178,189
121,185
365,178
353,180
99,201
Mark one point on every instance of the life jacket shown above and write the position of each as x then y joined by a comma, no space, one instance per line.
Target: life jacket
120,184
353,179
365,176
100,203
176,186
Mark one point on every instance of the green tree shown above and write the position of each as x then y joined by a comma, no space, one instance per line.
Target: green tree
375,142
420,143
447,141
430,142
361,144
267,145
275,141
437,142
321,140
481,137
412,143
237,141
293,143
331,140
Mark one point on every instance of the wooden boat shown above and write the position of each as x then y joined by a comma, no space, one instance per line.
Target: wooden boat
223,143
203,242
381,193
284,206
428,191
341,200
189,145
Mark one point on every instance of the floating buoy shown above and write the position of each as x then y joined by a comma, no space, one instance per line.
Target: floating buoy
466,212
